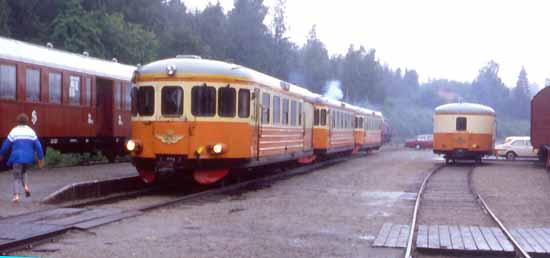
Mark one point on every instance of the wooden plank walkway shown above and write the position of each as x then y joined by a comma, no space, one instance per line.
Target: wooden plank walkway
465,238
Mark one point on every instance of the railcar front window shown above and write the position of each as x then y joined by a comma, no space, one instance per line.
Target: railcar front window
146,101
203,100
7,81
55,88
461,124
227,102
74,90
172,101
244,103
32,85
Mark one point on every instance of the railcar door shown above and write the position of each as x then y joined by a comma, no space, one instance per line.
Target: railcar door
308,125
104,89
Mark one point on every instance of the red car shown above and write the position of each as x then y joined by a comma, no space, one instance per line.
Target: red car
423,141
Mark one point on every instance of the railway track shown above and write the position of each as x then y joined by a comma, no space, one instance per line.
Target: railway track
193,194
452,190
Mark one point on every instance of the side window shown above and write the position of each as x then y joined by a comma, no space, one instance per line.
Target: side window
323,117
293,113
227,101
88,93
7,81
134,101
75,89
146,101
172,101
316,117
32,86
461,124
276,110
55,88
333,119
203,100
128,97
285,112
266,104
244,103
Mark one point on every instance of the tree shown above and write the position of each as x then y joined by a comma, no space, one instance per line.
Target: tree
211,28
521,97
315,62
4,16
488,88
247,36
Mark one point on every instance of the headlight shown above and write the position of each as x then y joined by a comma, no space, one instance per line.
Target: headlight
131,145
217,148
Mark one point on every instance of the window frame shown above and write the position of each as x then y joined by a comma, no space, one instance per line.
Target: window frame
293,113
38,94
461,126
58,100
180,110
276,109
266,108
88,91
76,99
285,112
15,80
232,112
240,108
323,117
212,109
139,98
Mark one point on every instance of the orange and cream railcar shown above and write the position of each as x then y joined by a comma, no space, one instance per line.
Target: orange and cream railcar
333,130
368,129
207,117
464,131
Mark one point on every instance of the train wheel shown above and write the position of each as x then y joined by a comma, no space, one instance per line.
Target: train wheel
207,177
307,160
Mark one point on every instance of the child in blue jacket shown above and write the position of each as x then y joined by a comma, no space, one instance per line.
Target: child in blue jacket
24,144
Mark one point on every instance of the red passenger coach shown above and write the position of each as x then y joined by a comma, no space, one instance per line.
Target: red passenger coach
75,103
540,124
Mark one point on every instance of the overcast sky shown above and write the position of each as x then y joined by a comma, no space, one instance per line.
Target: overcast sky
438,38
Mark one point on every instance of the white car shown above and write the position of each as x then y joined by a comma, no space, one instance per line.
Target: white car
516,147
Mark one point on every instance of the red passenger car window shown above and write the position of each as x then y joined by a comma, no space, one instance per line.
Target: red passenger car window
172,101
128,97
227,102
32,85
88,92
7,81
146,101
244,103
118,96
55,88
74,90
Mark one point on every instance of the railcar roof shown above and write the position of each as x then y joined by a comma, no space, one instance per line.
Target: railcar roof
197,66
20,51
465,108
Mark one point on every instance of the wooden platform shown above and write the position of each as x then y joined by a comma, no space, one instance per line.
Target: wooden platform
18,229
465,238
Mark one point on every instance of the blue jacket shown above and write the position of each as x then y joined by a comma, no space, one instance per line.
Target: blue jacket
24,143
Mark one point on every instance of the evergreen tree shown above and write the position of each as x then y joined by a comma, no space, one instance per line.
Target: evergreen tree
4,16
315,63
488,88
521,97
211,27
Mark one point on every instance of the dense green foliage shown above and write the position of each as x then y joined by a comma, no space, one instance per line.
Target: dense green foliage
140,31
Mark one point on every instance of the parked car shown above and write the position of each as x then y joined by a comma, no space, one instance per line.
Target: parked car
423,141
516,146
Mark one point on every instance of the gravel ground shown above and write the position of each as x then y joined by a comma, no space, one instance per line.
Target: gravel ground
333,212
46,181
518,193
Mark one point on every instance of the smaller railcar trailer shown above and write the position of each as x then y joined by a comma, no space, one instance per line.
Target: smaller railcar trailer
540,125
76,103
